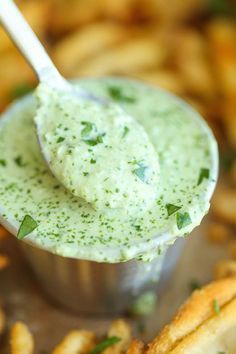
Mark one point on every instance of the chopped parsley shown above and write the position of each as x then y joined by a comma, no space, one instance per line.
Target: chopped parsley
106,343
126,130
193,285
18,161
140,172
88,128
116,94
27,226
204,173
216,306
3,162
183,220
60,139
86,134
92,161
171,209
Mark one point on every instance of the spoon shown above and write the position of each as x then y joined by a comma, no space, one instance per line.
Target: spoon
96,151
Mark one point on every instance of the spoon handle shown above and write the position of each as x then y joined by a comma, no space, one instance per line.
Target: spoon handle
25,39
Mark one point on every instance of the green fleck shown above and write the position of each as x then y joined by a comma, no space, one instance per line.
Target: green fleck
88,128
145,304
183,220
126,130
140,172
193,285
85,174
27,226
3,162
60,139
92,142
204,173
116,94
106,343
19,162
20,90
216,306
92,161
171,208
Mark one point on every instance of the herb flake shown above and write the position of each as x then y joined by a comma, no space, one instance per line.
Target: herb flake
183,220
3,162
204,173
216,306
106,343
171,208
60,139
18,161
27,226
126,130
140,172
116,94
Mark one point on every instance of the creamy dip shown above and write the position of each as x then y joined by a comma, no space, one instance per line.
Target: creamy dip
97,151
68,225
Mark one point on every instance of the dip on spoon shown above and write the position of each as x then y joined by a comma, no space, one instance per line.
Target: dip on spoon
93,147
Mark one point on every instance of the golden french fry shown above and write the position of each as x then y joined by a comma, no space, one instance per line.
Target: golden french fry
168,80
229,119
198,310
218,233
224,204
121,329
121,10
136,347
132,56
21,339
2,320
191,59
76,342
4,261
36,13
67,16
222,43
224,269
83,43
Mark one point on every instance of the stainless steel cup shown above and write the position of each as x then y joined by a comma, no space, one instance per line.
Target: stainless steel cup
88,287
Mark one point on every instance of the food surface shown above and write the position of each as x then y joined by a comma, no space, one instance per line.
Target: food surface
99,152
32,199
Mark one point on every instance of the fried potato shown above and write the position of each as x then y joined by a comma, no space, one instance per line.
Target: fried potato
21,339
225,269
120,10
222,44
136,347
166,79
137,54
191,60
83,43
198,309
4,261
229,119
218,233
66,17
224,204
36,13
216,335
2,320
76,342
121,329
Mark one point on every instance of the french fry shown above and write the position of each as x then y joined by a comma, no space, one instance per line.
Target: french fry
224,204
121,329
120,10
218,233
222,44
21,339
229,119
136,347
4,261
83,43
132,56
166,79
224,269
76,342
190,57
2,320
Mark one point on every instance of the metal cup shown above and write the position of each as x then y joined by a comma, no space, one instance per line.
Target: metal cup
92,288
